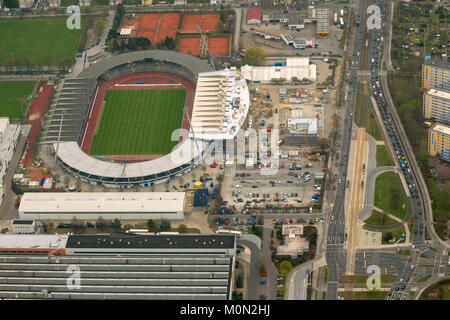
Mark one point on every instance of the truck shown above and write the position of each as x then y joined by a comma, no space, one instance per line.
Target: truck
342,12
402,165
341,23
335,18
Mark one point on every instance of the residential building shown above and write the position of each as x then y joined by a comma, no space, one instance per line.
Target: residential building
436,74
436,105
439,141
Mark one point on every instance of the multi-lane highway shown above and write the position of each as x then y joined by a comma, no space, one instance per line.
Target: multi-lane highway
335,255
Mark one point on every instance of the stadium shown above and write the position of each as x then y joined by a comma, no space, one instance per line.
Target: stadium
116,123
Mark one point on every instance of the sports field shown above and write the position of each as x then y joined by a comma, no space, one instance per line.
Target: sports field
138,122
13,98
45,41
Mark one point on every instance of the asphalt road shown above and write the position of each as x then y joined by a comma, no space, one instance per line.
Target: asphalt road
335,255
253,276
298,282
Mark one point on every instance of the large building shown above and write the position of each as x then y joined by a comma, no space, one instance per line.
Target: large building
436,105
92,205
302,132
436,74
220,106
117,266
254,16
300,68
439,141
9,138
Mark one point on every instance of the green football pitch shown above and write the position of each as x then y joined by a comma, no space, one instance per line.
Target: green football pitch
14,97
138,122
45,41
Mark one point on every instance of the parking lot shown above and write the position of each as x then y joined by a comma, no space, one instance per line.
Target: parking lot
292,185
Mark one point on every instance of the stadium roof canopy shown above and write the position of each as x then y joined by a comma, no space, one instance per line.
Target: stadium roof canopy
72,155
190,62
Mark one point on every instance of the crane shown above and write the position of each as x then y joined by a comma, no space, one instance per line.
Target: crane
206,46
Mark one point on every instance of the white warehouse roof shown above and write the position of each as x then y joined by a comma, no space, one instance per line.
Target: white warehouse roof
266,73
95,202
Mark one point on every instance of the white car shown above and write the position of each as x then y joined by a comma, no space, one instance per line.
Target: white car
238,186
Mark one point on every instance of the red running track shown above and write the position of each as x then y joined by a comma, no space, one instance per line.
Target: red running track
148,78
35,115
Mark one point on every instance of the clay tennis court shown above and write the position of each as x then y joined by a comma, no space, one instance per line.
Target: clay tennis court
169,21
218,46
190,46
148,21
206,21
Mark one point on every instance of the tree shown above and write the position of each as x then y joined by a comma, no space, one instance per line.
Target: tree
283,80
254,56
116,224
100,223
99,27
220,26
324,143
152,227
111,44
239,281
122,45
164,225
285,268
127,227
131,44
295,79
182,228
388,236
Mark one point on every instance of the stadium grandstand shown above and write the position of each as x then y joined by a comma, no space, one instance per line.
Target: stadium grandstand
117,266
221,105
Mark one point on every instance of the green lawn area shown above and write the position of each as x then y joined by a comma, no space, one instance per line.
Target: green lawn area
357,105
138,122
424,278
385,278
391,234
389,196
45,41
14,96
379,219
371,124
383,157
369,295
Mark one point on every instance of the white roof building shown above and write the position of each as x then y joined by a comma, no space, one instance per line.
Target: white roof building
295,67
91,205
221,105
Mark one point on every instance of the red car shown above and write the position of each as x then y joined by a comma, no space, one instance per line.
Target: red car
410,259
263,274
406,279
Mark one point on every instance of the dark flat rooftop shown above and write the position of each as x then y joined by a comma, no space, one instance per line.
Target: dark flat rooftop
437,63
22,222
124,240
